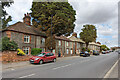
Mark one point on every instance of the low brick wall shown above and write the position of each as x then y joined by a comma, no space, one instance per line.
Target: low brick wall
11,56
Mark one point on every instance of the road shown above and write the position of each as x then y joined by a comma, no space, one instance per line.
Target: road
79,67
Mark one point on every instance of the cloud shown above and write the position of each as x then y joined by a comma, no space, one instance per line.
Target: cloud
101,13
18,9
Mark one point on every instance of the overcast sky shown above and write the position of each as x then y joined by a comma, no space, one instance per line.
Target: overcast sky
101,13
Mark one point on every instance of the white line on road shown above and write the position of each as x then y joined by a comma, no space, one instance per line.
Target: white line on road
61,66
108,73
27,76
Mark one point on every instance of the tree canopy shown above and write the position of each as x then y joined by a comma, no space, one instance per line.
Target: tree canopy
9,45
88,34
104,47
59,15
3,14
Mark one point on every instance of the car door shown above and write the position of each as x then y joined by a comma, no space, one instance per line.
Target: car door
48,57
51,56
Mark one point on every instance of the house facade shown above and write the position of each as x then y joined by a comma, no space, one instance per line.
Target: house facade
25,35
28,37
64,46
78,44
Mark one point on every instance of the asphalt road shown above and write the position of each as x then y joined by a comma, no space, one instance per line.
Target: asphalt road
79,67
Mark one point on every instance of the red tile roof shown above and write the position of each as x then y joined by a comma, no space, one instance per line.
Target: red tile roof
23,28
62,38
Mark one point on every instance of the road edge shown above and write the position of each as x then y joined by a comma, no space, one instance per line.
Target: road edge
111,69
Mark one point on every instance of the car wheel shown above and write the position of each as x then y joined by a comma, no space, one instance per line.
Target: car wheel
41,62
54,60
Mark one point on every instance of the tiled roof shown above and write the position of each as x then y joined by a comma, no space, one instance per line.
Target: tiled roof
93,43
22,27
73,38
62,38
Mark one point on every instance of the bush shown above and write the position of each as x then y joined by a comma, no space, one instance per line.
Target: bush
88,50
83,49
8,45
36,51
20,52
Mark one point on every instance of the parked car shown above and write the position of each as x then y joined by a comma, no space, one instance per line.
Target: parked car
96,52
84,54
103,52
43,57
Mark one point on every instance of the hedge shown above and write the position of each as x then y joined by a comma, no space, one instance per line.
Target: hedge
36,51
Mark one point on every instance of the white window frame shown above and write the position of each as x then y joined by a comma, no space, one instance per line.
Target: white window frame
43,41
26,49
27,39
59,43
67,51
71,51
67,43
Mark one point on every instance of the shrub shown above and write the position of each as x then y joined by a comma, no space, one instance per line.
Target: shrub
20,52
8,45
83,49
88,50
36,51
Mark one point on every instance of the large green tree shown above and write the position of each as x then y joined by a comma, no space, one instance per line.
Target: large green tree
3,14
88,34
104,47
59,15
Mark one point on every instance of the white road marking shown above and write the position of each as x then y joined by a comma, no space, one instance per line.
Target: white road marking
61,66
27,76
12,69
108,73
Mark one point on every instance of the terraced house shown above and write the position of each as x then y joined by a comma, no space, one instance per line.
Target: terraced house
25,35
64,46
78,44
28,37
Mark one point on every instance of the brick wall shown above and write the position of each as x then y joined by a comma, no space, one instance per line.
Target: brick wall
11,56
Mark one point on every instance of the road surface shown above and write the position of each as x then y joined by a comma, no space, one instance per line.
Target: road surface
79,67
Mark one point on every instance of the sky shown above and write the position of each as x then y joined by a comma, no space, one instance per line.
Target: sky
101,13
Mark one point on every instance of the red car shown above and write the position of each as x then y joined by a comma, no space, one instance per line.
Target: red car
43,57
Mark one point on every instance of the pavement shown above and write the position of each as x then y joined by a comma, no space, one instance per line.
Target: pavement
68,67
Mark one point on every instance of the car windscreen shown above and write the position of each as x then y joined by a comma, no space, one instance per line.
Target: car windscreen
41,55
86,52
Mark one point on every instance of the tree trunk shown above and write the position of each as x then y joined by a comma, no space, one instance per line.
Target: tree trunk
87,46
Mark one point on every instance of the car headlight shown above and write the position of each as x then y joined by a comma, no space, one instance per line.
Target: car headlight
36,58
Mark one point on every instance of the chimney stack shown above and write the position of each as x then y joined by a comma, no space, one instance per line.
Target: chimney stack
27,19
74,34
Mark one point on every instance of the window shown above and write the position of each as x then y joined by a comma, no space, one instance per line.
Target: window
47,55
67,43
26,50
51,54
43,41
71,51
59,43
43,49
53,51
79,50
67,51
26,39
